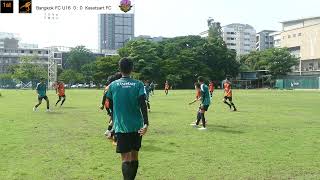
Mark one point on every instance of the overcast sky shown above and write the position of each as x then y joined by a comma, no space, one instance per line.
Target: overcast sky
166,18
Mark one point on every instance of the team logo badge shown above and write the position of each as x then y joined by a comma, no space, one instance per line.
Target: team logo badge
25,6
125,5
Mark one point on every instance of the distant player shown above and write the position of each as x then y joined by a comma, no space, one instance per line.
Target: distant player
148,90
228,94
166,87
211,88
153,87
205,103
60,90
128,102
42,94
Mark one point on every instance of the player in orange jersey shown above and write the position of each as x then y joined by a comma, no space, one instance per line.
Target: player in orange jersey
211,88
166,87
228,94
60,90
198,93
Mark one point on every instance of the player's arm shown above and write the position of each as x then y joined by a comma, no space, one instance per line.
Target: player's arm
110,108
37,89
197,99
56,88
144,111
104,98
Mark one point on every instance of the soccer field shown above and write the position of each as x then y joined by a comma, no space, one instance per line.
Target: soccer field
274,135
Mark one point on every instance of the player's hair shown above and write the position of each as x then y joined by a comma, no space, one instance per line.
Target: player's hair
112,78
126,65
42,79
201,79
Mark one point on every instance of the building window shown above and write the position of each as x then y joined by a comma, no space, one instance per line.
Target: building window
294,35
289,36
39,52
299,34
22,51
31,52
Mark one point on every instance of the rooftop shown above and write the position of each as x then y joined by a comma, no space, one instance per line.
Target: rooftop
302,19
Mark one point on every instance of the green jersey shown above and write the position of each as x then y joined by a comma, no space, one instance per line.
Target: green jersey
42,89
205,95
125,94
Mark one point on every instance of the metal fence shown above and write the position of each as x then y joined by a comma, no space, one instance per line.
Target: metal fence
298,82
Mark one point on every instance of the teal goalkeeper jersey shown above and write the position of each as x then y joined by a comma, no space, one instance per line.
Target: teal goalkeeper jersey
41,89
205,95
125,94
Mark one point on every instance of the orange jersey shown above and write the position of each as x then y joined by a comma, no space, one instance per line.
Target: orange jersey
60,89
198,93
106,103
166,86
227,89
211,87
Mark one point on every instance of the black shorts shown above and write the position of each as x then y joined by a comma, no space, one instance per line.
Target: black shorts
204,107
228,98
44,97
64,96
127,142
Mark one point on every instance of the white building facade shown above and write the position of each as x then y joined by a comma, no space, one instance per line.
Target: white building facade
240,37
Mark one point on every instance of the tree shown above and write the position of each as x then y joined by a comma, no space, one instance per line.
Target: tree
29,70
105,66
145,55
278,61
184,57
71,77
174,79
78,57
88,71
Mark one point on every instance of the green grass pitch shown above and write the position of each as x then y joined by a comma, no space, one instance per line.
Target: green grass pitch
275,135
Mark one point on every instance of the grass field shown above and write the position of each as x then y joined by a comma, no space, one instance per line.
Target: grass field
275,135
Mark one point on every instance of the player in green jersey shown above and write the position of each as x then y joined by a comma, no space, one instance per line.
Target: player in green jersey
130,115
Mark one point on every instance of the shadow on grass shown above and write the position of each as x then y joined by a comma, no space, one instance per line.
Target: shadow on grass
152,148
224,129
55,112
69,107
148,145
160,112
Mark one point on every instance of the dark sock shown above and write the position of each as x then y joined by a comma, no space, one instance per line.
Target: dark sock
37,105
198,118
126,170
63,101
148,104
135,166
234,107
109,127
58,101
228,104
203,120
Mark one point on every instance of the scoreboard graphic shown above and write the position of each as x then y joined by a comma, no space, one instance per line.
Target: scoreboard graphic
6,6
